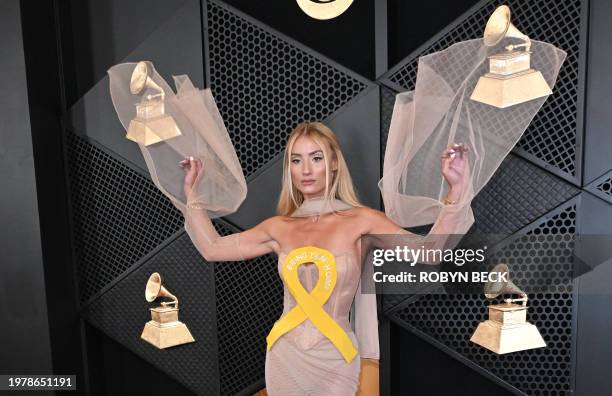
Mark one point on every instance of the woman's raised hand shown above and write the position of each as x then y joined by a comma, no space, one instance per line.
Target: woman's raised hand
193,170
454,165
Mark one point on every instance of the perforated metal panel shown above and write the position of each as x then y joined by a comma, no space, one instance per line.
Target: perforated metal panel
119,215
265,84
122,312
451,319
554,133
602,187
552,137
404,74
249,301
541,259
605,186
518,193
387,101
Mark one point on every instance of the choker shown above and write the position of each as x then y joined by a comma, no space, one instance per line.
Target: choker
320,206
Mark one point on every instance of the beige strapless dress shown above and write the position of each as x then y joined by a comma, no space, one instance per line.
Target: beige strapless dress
304,361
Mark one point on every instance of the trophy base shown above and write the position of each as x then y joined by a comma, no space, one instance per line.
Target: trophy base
151,131
507,338
505,91
166,335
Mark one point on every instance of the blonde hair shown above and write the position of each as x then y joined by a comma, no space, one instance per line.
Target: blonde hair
338,184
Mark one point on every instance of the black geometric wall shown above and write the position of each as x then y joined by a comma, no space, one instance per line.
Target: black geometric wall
118,214
531,204
122,311
248,304
264,83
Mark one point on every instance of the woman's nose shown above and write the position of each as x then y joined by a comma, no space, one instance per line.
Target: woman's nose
306,169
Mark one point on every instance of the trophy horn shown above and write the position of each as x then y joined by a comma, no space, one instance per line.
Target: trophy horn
497,287
141,80
499,26
155,289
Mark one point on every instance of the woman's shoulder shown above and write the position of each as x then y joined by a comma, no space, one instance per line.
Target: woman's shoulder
275,221
272,220
367,213
372,220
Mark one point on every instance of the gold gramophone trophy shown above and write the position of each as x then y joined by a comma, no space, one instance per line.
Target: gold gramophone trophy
152,124
510,80
507,329
164,330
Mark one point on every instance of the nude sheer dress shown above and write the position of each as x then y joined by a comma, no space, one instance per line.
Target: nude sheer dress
304,361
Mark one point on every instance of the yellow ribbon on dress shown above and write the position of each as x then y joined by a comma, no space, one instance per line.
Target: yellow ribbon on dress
310,306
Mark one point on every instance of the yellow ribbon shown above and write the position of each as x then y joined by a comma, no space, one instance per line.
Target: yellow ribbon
310,306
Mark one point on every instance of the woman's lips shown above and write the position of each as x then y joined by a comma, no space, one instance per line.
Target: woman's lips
307,182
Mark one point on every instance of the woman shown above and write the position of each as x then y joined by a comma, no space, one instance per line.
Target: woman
318,207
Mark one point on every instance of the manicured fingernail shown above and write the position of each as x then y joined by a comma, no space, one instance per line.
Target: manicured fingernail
190,158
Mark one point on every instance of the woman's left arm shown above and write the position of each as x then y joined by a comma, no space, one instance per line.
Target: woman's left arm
455,216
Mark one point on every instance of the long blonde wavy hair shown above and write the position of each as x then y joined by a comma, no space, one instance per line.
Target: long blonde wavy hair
338,184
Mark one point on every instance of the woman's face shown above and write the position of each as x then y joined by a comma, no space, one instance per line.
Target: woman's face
308,167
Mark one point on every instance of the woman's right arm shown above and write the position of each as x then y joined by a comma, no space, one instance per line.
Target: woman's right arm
253,242
244,245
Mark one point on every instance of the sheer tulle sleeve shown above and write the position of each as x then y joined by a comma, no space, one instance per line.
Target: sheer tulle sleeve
221,187
438,113
366,324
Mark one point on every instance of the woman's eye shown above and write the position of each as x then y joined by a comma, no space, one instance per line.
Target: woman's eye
295,161
317,159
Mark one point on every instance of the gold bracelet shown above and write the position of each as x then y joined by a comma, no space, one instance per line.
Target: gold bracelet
449,201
